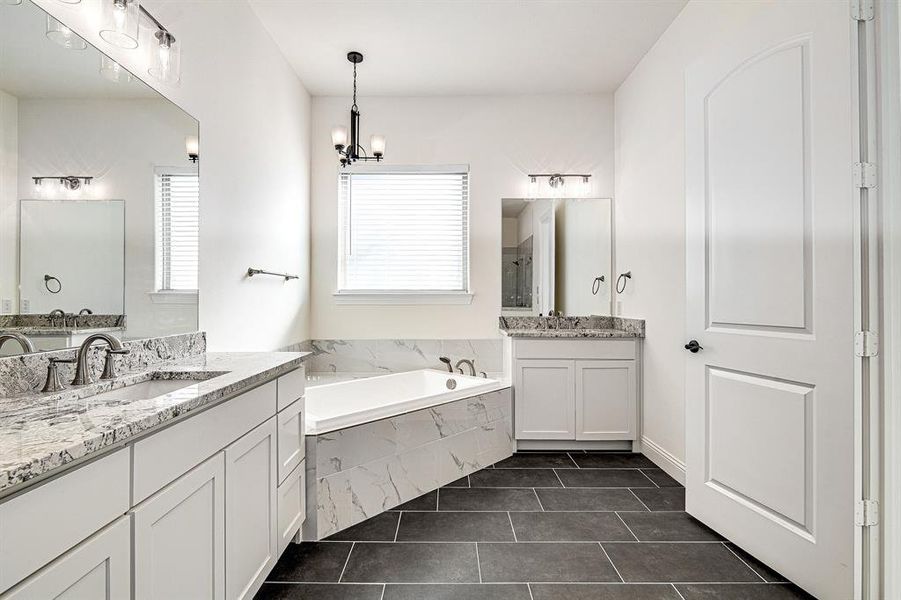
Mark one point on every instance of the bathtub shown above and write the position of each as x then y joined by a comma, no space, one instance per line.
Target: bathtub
344,404
375,443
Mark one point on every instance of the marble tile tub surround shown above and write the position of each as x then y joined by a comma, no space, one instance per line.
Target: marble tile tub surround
395,356
42,433
356,473
25,373
592,326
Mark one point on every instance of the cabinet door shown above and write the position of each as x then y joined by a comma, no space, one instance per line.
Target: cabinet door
179,537
606,402
251,521
97,569
544,403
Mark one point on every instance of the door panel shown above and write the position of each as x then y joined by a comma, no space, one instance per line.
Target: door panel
769,272
605,400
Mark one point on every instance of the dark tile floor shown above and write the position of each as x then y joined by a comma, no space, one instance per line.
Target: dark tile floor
537,526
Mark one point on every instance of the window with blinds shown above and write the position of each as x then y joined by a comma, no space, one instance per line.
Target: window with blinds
404,231
177,230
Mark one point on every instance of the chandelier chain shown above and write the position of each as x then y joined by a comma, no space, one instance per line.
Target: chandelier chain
355,85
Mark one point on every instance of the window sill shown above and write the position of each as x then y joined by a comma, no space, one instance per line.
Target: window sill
171,297
402,298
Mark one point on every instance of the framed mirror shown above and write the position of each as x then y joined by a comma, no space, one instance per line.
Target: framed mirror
556,256
99,197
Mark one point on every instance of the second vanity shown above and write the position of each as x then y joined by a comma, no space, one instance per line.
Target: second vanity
183,478
575,380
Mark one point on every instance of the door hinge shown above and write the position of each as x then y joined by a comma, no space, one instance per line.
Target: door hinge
866,513
864,175
866,344
863,10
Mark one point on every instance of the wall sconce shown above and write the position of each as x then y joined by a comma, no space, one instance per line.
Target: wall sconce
192,147
557,182
120,23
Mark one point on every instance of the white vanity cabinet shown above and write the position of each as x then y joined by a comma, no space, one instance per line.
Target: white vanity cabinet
575,389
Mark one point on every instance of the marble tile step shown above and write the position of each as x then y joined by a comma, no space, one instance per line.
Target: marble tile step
587,499
691,562
378,562
669,498
455,527
541,562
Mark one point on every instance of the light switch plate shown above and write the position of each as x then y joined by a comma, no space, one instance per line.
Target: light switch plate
7,306
26,305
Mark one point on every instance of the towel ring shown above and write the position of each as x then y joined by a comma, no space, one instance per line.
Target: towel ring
624,277
47,284
596,285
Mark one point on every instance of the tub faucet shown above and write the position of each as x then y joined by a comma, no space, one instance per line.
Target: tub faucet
468,363
446,361
24,342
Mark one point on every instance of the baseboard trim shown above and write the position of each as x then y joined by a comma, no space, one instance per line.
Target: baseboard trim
572,445
674,467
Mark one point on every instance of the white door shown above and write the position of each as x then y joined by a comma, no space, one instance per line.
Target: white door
251,477
605,400
770,398
179,537
544,400
99,568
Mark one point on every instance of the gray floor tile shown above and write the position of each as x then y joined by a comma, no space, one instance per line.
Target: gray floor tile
603,591
513,478
613,460
589,499
318,591
463,482
413,563
488,499
537,460
425,502
667,498
311,561
761,569
604,478
460,591
539,562
668,527
455,527
569,527
678,562
660,477
752,591
380,528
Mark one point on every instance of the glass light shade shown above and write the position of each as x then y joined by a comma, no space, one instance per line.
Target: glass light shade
192,147
377,145
64,36
166,64
12,2
70,1
339,136
120,23
113,71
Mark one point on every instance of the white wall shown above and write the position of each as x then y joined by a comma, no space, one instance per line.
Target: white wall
583,252
502,139
650,205
254,118
9,207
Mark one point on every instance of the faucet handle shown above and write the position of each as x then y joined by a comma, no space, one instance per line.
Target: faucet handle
109,366
53,383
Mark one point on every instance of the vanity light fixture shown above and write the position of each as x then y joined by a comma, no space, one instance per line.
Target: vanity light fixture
120,23
192,147
62,35
557,181
66,182
113,71
349,149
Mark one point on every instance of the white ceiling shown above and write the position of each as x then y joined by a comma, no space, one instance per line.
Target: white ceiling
465,47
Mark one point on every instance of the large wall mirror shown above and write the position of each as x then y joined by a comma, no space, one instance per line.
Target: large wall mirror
556,256
99,197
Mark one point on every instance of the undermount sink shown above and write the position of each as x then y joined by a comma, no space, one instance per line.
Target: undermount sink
160,384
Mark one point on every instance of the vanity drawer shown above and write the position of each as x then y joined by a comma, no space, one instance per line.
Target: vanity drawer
575,348
41,524
166,455
292,508
291,387
291,445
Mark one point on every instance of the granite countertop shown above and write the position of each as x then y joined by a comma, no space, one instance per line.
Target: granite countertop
39,330
597,327
41,434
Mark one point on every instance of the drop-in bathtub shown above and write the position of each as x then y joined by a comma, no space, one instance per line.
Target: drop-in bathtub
375,443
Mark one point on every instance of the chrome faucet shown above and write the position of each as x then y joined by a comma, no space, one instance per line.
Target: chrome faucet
446,361
82,371
24,342
468,363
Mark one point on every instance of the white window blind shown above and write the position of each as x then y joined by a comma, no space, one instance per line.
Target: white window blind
404,231
177,229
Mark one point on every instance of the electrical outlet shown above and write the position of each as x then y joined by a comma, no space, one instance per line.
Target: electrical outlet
26,306
7,306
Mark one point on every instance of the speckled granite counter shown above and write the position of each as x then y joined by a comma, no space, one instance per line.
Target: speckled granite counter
59,331
41,434
572,327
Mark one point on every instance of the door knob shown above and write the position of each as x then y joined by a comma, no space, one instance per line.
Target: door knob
693,346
